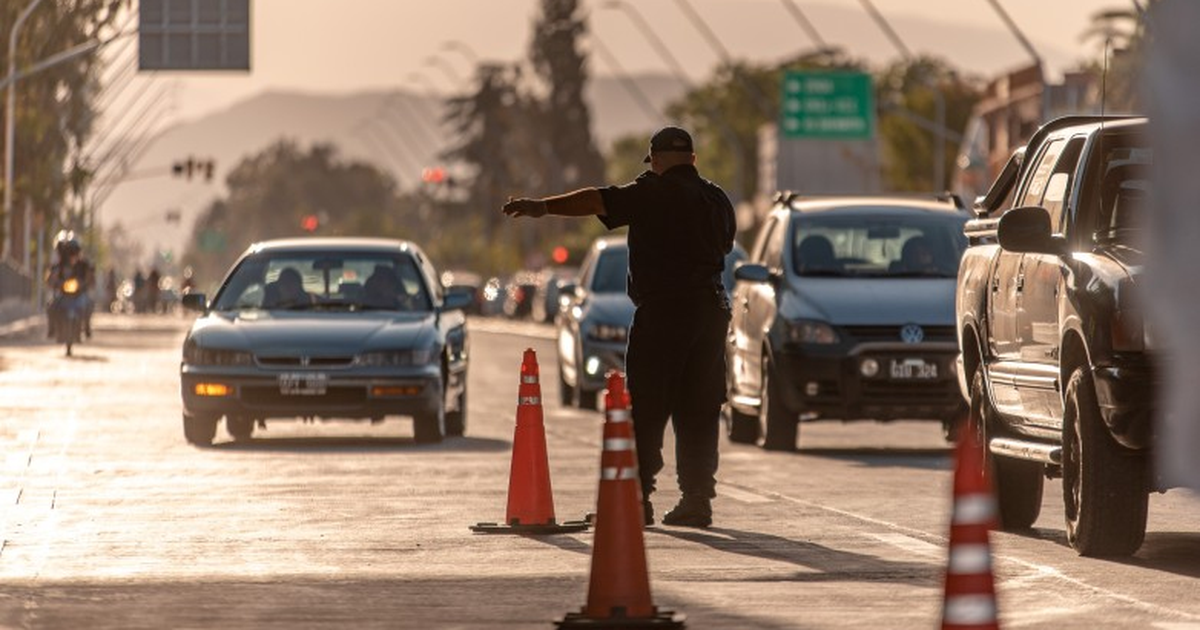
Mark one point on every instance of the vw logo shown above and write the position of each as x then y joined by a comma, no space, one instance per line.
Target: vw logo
912,333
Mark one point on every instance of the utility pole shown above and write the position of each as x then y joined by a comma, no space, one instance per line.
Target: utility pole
10,112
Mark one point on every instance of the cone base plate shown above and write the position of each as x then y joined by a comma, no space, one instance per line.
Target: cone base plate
531,530
661,619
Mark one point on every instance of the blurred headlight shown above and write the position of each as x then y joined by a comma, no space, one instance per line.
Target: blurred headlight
608,332
396,358
193,354
808,331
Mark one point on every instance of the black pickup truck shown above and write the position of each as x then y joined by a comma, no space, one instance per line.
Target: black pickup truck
1055,358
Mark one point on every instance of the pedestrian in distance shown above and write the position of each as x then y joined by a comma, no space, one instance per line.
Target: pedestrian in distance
681,226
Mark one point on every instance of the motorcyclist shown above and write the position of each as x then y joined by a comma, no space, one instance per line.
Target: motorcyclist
71,263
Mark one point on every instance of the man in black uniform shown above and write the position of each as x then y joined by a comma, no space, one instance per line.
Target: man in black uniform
680,228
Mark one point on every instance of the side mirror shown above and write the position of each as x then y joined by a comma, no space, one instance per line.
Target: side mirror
195,302
752,272
1027,230
456,299
566,288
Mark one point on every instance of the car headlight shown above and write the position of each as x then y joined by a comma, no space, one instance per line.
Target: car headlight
608,332
811,331
194,354
396,358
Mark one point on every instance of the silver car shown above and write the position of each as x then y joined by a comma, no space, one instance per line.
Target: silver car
348,328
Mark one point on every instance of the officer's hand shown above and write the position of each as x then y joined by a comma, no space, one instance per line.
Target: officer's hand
525,207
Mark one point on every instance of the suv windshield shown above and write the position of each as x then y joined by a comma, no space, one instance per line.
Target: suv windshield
325,281
887,244
611,268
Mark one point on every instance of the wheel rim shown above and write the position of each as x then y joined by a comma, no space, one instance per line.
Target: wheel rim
1072,465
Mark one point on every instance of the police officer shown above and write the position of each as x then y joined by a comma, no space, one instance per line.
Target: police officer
680,228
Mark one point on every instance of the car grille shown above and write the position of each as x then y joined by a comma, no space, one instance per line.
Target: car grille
333,397
305,362
892,333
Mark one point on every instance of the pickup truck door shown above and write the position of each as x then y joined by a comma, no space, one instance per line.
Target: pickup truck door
1038,328
1003,288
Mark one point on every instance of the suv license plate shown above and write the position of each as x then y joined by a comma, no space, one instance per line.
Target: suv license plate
303,383
913,370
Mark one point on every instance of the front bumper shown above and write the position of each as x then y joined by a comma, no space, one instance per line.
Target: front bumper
829,383
1126,395
347,394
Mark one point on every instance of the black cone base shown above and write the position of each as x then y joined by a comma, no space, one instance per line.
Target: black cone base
661,619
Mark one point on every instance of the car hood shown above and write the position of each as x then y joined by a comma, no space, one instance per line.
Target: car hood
332,333
611,308
870,301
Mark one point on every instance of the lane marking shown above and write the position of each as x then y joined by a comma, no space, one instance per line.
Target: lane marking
738,494
1048,571
908,543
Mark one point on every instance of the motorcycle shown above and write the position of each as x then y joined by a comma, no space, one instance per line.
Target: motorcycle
68,310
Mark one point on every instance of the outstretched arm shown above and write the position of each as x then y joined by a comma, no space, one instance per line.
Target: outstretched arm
581,203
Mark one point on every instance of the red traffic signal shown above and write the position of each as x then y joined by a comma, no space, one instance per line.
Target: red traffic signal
433,175
310,223
560,255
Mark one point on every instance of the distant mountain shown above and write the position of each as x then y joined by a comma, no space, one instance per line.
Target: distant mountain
397,130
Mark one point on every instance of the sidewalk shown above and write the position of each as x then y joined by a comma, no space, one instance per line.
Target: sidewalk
18,316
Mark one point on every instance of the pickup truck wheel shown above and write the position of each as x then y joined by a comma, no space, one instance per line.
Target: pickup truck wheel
1018,483
1104,484
200,430
777,426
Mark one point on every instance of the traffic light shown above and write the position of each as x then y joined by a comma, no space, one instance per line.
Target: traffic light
560,255
433,175
310,223
191,167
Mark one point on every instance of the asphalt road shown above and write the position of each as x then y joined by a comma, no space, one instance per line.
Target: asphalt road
110,520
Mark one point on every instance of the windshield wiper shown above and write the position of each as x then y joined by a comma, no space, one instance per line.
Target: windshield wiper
824,273
917,274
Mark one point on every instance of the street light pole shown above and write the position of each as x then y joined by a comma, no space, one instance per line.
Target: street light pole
10,127
805,24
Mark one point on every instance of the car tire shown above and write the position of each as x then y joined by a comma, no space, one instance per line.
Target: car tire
200,430
240,428
1018,484
1104,484
456,421
778,426
743,428
430,427
566,393
587,400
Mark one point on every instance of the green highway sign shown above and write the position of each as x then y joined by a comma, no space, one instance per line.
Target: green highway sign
827,105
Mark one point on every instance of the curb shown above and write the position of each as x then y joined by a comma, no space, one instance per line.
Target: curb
21,326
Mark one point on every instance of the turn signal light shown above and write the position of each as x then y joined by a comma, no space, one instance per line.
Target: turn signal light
396,390
212,389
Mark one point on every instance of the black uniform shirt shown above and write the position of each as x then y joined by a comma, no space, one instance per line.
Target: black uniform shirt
681,226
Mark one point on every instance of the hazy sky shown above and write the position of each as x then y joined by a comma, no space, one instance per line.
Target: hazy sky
346,45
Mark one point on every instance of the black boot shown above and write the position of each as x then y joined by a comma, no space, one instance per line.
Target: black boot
647,512
692,511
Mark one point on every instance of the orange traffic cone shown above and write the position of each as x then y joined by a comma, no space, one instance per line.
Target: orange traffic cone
530,500
970,595
619,590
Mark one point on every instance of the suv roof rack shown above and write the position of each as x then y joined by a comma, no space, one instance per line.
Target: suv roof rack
786,197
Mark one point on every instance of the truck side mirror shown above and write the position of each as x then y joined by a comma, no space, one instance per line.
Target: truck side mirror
1027,230
195,301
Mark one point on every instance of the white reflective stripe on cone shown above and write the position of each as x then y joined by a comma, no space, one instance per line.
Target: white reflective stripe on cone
618,415
969,610
970,559
618,444
529,400
974,509
618,474
529,379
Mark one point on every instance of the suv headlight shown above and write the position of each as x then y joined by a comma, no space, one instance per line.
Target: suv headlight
608,332
396,358
193,354
811,332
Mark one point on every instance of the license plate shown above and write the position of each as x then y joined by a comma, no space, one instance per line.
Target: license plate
303,383
913,370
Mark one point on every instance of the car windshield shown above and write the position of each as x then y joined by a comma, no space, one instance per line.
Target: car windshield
611,269
887,244
325,281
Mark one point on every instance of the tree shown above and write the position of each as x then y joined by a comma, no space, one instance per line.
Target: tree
54,108
1120,35
908,149
286,191
566,120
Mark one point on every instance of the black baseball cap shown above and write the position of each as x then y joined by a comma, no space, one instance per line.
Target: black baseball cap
669,139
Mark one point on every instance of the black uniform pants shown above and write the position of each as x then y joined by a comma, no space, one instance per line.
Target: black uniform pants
675,365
